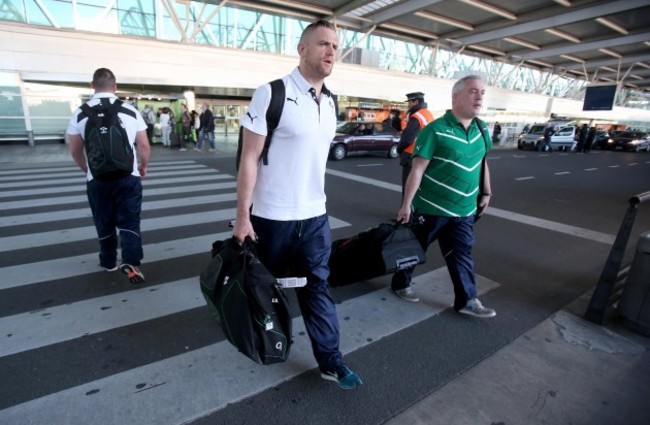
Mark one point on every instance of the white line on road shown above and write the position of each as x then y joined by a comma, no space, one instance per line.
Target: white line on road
43,271
17,220
147,191
521,218
208,379
55,237
525,178
552,225
151,179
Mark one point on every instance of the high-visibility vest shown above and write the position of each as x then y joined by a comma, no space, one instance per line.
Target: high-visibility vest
424,117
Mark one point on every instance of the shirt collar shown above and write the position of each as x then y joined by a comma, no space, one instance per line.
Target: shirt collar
303,85
103,94
453,122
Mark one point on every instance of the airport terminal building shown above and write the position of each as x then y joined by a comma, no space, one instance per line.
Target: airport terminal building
169,52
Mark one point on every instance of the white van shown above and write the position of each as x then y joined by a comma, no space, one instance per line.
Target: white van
561,139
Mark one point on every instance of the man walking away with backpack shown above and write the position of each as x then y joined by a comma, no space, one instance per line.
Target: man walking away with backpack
108,141
287,195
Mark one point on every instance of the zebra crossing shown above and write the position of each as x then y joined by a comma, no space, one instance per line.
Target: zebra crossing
80,345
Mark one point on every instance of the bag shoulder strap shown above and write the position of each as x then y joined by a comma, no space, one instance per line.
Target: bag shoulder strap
273,114
482,179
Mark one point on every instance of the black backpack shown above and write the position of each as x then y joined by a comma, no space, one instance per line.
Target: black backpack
273,114
247,301
109,153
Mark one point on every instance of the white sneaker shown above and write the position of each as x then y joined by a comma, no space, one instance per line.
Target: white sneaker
476,309
407,294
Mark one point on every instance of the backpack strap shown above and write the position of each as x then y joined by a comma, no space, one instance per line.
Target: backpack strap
90,112
273,114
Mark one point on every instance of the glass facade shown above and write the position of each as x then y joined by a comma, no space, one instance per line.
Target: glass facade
238,27
241,28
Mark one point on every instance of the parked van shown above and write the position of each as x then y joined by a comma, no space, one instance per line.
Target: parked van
563,137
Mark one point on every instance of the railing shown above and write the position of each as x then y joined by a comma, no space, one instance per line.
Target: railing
613,277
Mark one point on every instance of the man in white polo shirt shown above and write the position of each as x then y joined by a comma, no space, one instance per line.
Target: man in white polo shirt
288,217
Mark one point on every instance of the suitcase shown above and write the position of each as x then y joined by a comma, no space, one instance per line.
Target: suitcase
375,252
174,140
247,302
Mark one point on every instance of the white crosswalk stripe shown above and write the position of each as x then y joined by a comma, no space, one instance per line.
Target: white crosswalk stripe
136,395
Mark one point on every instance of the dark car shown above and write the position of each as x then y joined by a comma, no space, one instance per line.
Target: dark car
635,141
358,138
600,140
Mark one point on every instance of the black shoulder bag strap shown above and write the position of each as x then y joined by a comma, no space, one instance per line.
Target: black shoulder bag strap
482,178
478,124
273,114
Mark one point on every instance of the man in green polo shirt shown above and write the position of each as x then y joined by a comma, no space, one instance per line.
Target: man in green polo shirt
445,192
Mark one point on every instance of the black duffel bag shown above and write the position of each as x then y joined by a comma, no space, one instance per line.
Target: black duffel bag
377,251
247,302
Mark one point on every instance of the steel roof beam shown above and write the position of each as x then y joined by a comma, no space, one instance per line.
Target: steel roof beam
607,62
577,15
584,46
400,9
349,7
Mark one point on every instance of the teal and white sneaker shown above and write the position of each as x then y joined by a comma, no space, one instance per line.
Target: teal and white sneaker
343,376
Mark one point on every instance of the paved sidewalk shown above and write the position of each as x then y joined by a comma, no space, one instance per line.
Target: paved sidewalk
565,371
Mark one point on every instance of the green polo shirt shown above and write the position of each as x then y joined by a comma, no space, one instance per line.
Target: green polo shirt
450,184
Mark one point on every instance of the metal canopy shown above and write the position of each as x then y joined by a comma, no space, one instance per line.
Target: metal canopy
556,36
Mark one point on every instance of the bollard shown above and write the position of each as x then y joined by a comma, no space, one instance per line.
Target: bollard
634,305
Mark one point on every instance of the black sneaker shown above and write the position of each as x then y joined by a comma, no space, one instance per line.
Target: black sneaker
343,376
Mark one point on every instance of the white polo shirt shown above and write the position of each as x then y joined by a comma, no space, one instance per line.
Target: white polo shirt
292,186
132,126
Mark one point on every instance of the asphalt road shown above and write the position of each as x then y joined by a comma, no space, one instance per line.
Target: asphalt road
80,345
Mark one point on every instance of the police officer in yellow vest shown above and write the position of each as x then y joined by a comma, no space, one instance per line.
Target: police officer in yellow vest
417,118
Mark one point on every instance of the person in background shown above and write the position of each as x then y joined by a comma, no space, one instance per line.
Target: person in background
589,140
548,132
150,119
418,117
582,138
186,130
281,205
207,128
447,189
165,121
396,121
196,125
115,203
496,133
